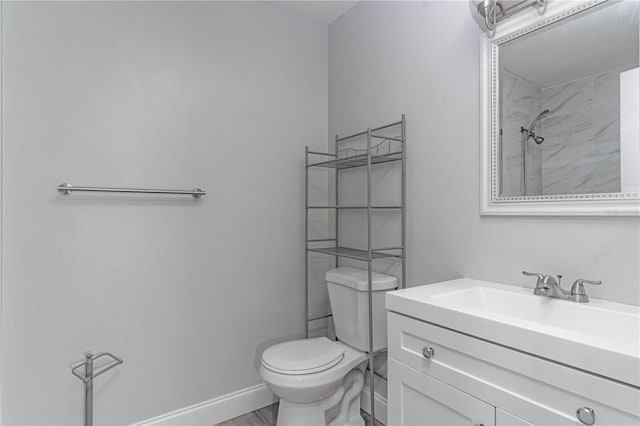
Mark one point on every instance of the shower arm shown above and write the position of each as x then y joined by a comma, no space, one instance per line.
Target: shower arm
544,114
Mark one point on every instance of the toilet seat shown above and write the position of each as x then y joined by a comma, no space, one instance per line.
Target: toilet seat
301,357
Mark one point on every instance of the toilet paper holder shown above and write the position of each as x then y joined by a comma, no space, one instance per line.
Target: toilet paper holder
89,374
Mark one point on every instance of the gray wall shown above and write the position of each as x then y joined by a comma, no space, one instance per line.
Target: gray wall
422,59
222,96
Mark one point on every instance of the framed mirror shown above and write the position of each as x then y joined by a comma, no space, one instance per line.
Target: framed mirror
560,115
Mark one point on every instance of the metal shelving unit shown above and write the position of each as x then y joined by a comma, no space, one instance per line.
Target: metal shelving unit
390,149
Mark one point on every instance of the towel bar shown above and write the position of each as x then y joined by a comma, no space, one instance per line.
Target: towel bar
67,189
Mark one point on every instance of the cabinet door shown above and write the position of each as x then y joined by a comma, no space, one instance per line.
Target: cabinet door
416,399
505,419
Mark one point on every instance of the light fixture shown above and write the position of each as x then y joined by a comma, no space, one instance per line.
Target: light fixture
487,13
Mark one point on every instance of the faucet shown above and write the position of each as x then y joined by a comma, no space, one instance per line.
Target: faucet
548,286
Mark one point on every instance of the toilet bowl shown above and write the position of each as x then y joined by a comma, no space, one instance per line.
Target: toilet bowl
318,380
311,377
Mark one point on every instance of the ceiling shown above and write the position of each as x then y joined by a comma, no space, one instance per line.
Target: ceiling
589,44
319,11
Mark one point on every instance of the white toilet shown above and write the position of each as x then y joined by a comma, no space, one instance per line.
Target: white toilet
318,380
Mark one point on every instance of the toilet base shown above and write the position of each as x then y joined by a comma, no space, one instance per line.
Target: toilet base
342,408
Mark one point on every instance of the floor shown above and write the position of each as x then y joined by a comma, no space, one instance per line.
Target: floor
267,416
263,417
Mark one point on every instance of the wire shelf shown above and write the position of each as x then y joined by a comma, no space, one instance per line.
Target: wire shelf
357,207
352,253
384,152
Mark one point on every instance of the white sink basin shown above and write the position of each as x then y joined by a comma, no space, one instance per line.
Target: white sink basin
592,320
600,337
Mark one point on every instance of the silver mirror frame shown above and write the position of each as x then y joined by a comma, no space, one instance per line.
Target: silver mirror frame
609,204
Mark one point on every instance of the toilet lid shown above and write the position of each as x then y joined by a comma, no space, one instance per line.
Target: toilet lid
302,356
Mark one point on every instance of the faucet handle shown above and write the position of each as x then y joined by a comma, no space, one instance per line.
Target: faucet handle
582,280
541,286
534,274
577,289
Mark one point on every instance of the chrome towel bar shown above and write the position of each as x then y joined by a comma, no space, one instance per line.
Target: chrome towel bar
67,189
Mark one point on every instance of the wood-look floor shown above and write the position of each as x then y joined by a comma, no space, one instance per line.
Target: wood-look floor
267,416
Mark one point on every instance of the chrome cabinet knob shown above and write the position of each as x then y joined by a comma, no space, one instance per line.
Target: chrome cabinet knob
586,416
428,352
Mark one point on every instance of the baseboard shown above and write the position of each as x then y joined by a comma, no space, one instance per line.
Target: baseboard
380,404
216,410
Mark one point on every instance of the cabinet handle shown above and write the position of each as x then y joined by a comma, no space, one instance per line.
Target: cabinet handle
428,352
478,424
586,416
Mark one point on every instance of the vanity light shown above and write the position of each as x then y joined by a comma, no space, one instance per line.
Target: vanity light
487,13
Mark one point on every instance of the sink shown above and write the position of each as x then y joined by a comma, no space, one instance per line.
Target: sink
600,337
593,320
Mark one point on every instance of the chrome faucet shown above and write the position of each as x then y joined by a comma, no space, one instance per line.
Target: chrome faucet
547,285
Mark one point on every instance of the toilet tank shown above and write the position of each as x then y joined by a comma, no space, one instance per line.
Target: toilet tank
348,295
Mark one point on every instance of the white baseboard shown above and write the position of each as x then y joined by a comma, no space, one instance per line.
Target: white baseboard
216,410
235,404
380,404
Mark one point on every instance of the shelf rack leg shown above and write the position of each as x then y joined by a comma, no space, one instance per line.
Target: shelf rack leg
337,215
306,242
370,282
404,198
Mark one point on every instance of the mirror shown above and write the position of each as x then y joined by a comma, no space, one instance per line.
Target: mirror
561,116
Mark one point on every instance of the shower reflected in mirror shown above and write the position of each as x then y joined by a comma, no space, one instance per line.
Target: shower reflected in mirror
528,134
562,105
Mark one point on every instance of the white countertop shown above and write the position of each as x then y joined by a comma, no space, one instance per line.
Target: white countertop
599,337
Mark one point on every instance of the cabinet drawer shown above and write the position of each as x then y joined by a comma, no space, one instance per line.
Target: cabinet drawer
534,389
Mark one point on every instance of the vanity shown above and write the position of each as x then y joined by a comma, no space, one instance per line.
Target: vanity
470,352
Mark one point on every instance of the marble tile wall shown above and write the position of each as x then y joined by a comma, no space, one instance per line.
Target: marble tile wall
581,152
606,122
567,151
581,149
520,104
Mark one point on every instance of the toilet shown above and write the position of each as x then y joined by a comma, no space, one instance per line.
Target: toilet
318,380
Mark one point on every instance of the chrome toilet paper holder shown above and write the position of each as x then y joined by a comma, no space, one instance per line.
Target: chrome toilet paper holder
88,375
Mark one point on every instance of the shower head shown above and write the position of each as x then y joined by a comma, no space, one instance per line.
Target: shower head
529,132
540,116
536,139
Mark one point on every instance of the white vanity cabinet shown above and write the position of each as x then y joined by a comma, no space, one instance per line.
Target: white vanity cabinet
471,381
